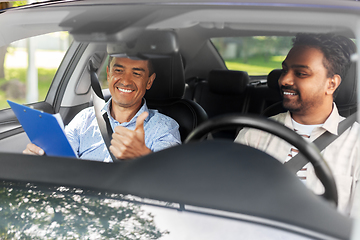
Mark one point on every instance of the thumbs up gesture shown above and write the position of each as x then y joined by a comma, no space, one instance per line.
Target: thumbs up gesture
126,143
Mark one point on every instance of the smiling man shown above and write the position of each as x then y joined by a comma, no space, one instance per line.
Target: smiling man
311,73
137,130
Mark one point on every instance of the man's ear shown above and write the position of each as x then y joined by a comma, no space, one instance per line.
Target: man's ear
333,84
150,81
107,73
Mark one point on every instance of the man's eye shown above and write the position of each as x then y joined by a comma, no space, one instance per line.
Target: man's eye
300,74
118,70
136,74
283,71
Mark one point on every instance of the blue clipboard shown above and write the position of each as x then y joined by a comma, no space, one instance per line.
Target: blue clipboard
43,129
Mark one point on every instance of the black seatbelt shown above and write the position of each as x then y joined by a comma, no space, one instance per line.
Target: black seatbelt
298,162
99,103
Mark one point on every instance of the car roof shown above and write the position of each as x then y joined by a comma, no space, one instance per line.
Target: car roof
102,24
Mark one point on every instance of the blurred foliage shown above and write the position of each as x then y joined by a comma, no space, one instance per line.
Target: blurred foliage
50,49
103,76
28,211
19,3
8,4
45,77
256,55
256,66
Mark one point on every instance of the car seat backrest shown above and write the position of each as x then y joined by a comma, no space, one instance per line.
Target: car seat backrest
228,82
166,93
272,83
260,95
222,93
190,85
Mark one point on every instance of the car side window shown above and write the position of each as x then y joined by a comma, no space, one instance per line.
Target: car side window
103,75
28,66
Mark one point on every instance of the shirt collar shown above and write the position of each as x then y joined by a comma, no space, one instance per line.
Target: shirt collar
143,108
331,124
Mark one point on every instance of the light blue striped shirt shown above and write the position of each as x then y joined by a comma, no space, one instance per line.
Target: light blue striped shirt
85,137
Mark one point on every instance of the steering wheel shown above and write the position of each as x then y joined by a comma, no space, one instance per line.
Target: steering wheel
309,150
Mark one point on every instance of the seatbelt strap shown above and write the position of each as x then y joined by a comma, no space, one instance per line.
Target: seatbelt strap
99,103
299,161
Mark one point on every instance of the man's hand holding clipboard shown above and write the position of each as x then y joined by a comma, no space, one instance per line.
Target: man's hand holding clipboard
45,131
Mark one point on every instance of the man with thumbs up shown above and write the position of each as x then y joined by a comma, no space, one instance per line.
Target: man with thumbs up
137,130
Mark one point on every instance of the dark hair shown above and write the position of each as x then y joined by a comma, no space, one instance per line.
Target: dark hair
337,50
150,65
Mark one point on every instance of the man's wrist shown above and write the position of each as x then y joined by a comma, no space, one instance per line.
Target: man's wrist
147,151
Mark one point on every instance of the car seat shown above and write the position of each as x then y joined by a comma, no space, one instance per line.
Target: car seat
222,93
272,83
167,91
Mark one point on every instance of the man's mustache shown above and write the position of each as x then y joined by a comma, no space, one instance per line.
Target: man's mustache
131,86
290,88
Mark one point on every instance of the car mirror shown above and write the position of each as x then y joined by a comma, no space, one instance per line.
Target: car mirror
149,44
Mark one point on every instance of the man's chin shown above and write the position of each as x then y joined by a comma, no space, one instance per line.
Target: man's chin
124,104
291,107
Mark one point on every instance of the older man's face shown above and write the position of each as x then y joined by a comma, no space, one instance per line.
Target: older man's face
128,81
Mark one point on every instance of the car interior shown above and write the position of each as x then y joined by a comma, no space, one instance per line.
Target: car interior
193,86
220,94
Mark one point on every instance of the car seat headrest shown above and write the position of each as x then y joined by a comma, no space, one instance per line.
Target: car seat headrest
272,79
169,83
346,95
228,82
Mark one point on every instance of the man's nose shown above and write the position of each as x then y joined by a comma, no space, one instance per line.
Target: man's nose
125,77
286,79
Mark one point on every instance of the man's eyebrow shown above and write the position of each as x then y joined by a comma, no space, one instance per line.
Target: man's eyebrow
139,69
118,65
135,69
